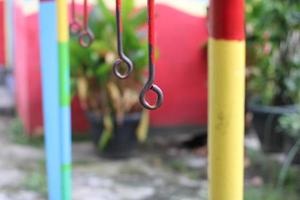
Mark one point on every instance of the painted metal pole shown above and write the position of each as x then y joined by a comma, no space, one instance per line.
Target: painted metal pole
64,90
2,35
50,85
226,99
9,32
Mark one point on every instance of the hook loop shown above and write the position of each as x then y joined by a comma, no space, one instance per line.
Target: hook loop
122,57
86,38
75,27
117,65
159,99
151,50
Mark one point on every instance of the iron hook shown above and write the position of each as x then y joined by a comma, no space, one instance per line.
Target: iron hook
74,26
159,99
151,53
122,56
86,37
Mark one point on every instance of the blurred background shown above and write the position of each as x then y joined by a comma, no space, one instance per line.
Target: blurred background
121,151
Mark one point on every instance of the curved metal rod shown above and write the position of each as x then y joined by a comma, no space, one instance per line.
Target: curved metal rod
158,92
86,37
74,26
122,56
151,53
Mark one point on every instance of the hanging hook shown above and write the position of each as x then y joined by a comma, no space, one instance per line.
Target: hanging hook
151,53
86,37
74,26
122,56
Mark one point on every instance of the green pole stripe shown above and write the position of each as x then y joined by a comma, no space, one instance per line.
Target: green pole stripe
66,181
64,74
66,167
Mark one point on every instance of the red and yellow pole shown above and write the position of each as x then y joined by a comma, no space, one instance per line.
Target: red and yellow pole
226,99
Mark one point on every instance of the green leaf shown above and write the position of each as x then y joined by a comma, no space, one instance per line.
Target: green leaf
103,70
105,137
100,46
106,13
128,7
138,19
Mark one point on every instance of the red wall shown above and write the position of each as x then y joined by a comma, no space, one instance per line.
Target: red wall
2,34
181,71
181,68
27,71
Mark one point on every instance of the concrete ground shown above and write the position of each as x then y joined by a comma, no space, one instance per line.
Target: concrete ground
159,171
160,174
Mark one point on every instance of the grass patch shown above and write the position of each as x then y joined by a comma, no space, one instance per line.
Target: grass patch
268,192
17,135
264,166
36,180
181,167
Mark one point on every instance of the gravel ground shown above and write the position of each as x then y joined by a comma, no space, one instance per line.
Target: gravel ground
159,171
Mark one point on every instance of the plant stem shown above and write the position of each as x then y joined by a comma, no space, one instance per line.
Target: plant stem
286,165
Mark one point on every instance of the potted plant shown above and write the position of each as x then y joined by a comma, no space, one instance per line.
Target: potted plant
112,107
273,28
290,124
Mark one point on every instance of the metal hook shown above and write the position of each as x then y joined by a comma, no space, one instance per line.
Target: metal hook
122,56
86,37
74,26
151,53
159,100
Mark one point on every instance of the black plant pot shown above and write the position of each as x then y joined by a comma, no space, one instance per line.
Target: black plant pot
266,124
123,141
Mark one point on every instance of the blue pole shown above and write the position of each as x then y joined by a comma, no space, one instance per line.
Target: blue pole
51,97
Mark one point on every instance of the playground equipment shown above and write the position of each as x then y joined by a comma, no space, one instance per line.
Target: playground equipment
226,99
226,96
122,56
50,82
55,73
151,51
75,26
86,36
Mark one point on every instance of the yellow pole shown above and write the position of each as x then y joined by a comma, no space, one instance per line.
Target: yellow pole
226,99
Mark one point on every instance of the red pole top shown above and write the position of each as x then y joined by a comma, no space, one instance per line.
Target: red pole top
226,19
